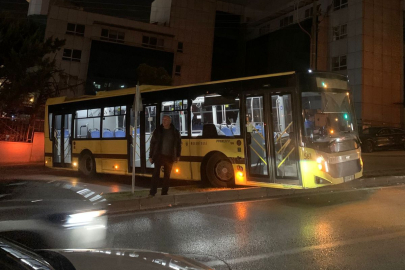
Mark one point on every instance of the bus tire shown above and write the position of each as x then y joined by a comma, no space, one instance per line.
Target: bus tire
219,171
87,165
368,147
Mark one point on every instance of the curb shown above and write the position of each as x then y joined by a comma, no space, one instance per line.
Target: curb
200,198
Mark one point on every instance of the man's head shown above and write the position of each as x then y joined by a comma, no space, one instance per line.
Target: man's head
167,120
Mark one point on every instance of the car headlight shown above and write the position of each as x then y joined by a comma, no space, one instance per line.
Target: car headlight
77,219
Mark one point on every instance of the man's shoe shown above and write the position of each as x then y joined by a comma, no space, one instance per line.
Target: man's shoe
165,194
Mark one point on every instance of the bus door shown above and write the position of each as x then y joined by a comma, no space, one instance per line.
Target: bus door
258,165
62,142
135,131
284,140
144,127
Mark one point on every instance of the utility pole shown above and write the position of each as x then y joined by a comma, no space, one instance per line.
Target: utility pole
314,30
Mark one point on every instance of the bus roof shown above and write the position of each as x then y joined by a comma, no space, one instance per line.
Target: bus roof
152,88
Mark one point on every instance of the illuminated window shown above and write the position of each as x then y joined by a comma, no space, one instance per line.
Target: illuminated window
87,123
177,110
75,29
222,112
114,122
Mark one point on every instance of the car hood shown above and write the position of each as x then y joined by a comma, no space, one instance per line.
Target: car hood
32,198
100,259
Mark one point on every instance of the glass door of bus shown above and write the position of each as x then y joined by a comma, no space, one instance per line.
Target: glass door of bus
146,127
284,148
62,143
257,143
272,154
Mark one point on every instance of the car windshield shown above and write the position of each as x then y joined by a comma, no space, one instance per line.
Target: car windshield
328,119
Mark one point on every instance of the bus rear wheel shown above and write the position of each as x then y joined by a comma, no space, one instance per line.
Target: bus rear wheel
219,171
368,147
87,165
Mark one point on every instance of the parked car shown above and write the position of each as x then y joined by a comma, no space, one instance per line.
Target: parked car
374,138
14,256
53,214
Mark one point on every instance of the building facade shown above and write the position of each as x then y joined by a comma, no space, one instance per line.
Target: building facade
359,38
195,41
103,52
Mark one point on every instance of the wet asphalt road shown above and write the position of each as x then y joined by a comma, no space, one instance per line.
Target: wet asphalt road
354,230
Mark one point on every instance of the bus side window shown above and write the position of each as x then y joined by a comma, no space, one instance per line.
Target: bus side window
177,110
222,113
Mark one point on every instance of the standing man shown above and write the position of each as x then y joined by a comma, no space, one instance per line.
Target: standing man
165,149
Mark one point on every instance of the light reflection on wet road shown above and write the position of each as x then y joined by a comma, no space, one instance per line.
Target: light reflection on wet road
354,230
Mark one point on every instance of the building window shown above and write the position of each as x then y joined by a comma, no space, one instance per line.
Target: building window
177,70
112,35
339,4
152,42
75,29
72,55
339,63
340,32
309,12
286,21
180,47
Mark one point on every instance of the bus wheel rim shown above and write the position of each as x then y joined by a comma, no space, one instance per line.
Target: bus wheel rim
223,170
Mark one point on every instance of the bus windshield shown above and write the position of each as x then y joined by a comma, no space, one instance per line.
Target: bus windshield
329,123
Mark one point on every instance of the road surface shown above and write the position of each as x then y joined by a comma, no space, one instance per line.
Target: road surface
364,229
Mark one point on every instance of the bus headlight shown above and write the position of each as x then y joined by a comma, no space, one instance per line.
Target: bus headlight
322,164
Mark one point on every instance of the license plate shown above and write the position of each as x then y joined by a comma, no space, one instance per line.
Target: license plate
348,178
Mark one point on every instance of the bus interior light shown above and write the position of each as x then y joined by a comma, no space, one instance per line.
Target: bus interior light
116,167
74,164
332,131
177,170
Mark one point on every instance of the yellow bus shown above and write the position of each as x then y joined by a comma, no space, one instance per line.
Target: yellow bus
286,130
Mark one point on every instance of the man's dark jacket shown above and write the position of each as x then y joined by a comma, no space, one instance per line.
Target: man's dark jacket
156,143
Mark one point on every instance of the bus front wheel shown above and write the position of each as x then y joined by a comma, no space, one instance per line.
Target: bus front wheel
219,171
87,165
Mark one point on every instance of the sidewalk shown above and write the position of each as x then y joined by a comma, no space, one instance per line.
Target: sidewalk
123,203
380,169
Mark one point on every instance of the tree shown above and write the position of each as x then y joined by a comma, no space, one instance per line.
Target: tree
27,72
153,76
